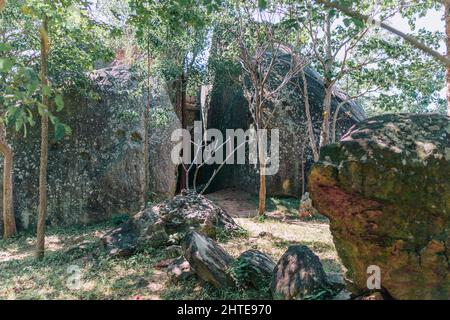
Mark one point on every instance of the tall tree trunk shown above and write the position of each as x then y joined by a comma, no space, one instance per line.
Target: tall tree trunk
262,189
40,241
310,125
325,134
145,151
261,158
183,82
447,31
9,222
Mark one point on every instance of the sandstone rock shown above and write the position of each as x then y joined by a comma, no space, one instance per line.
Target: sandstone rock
210,262
386,190
254,268
179,270
298,274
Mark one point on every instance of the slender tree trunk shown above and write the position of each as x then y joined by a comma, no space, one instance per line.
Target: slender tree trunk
261,158
312,137
40,242
262,189
145,150
447,31
325,134
9,222
184,173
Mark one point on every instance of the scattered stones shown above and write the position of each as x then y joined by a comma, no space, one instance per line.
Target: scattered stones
298,274
149,229
386,190
254,269
209,261
179,270
191,211
166,223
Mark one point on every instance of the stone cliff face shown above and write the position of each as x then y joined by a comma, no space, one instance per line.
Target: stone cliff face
386,190
229,110
98,170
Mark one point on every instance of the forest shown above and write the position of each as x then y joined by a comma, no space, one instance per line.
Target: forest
225,150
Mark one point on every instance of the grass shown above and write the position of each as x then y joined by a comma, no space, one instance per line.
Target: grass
138,277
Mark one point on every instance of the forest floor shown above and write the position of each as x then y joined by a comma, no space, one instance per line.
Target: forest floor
140,276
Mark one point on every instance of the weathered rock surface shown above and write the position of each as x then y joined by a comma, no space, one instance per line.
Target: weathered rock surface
120,242
98,170
210,261
149,229
298,274
168,222
179,270
190,211
229,110
386,190
255,267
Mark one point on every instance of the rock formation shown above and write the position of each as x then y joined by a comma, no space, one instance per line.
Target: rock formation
167,223
209,260
386,189
229,110
298,275
98,170
255,268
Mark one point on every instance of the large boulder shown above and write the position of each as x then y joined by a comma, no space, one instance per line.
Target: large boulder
254,268
298,275
98,170
191,211
168,222
210,261
229,110
386,189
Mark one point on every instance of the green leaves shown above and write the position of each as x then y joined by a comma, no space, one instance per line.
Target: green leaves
262,4
5,47
6,65
61,130
358,23
59,103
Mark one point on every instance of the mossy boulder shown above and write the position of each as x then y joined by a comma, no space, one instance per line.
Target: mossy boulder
386,189
168,222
